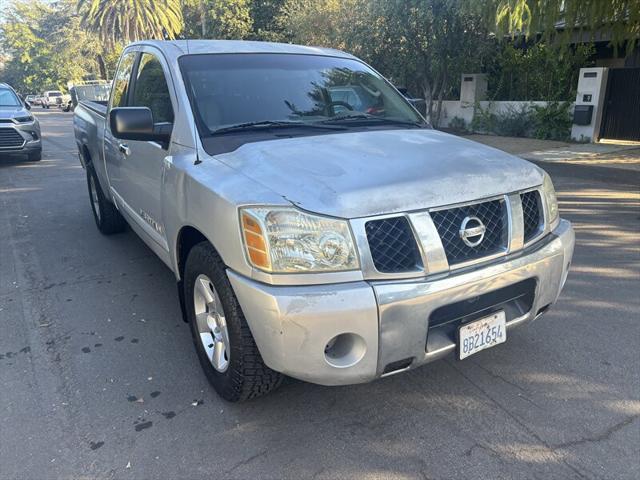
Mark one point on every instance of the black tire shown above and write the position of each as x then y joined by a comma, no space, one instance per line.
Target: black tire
108,218
247,376
35,156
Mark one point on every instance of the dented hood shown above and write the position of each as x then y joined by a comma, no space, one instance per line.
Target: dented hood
360,174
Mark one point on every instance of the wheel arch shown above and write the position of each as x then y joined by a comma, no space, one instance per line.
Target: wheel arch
85,154
187,238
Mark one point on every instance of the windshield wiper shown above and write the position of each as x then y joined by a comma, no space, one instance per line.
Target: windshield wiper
368,116
266,124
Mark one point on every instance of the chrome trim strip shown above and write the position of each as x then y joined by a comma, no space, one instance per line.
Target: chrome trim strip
434,257
516,222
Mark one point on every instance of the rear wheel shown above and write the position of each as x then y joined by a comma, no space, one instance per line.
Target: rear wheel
108,218
222,338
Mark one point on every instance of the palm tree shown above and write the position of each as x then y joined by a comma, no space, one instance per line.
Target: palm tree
124,21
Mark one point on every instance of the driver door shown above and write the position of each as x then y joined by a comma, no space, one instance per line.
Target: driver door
143,163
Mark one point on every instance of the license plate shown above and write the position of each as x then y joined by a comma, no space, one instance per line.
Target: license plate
481,334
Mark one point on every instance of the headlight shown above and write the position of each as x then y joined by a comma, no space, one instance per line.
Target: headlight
286,240
550,199
26,119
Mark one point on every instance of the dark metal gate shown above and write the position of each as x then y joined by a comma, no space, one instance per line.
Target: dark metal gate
621,114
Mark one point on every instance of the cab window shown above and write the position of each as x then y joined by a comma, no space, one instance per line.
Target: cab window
151,89
121,80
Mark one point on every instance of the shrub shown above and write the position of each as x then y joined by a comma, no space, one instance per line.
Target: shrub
458,124
514,122
483,120
552,122
549,122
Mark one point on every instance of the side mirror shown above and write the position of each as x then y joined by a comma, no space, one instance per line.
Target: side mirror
136,123
27,105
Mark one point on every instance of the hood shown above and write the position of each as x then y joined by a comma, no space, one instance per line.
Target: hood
358,174
13,112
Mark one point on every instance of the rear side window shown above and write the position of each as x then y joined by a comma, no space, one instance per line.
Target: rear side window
151,89
121,80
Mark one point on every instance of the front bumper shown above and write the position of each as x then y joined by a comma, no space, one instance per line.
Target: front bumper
384,327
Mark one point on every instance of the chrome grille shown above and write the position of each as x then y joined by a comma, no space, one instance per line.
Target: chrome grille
532,213
9,138
392,244
493,215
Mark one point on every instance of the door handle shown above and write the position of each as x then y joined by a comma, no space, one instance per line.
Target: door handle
124,148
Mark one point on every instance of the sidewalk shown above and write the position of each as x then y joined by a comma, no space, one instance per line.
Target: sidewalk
607,155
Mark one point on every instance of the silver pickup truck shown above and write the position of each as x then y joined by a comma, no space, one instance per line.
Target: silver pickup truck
317,227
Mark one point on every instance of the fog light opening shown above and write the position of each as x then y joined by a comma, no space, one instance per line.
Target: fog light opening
345,350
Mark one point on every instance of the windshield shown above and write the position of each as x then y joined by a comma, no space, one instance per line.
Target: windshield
234,89
8,98
54,94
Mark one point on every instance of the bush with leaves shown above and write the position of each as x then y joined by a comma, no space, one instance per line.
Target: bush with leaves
458,124
536,72
552,121
483,120
548,122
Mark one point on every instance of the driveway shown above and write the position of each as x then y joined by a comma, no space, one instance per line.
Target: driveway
99,379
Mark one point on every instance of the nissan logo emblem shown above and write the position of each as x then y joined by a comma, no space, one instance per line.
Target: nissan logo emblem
472,231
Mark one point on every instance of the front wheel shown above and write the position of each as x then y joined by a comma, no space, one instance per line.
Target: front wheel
222,338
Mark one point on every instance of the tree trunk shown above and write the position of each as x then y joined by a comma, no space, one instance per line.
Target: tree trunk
203,19
102,67
428,100
443,85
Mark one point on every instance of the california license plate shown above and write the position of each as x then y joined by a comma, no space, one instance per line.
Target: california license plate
481,334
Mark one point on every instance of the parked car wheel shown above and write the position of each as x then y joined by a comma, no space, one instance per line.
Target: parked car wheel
222,338
108,218
35,156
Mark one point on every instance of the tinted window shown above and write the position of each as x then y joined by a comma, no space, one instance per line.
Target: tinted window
8,98
151,89
121,80
232,89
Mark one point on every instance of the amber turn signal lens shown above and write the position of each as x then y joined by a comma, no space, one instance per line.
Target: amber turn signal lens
255,243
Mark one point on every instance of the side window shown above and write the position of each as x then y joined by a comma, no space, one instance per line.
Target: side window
121,80
151,90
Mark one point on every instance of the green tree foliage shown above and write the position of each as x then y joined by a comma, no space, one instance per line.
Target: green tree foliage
124,21
562,20
265,14
219,19
423,45
536,72
46,46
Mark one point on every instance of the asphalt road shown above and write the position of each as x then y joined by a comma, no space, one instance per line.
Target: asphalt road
99,379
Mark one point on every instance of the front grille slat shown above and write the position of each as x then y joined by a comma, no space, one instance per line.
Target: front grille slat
532,214
392,244
9,137
494,217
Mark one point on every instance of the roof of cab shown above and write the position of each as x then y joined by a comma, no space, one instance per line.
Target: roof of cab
178,48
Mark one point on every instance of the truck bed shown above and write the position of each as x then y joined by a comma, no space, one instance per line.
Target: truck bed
89,123
96,106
